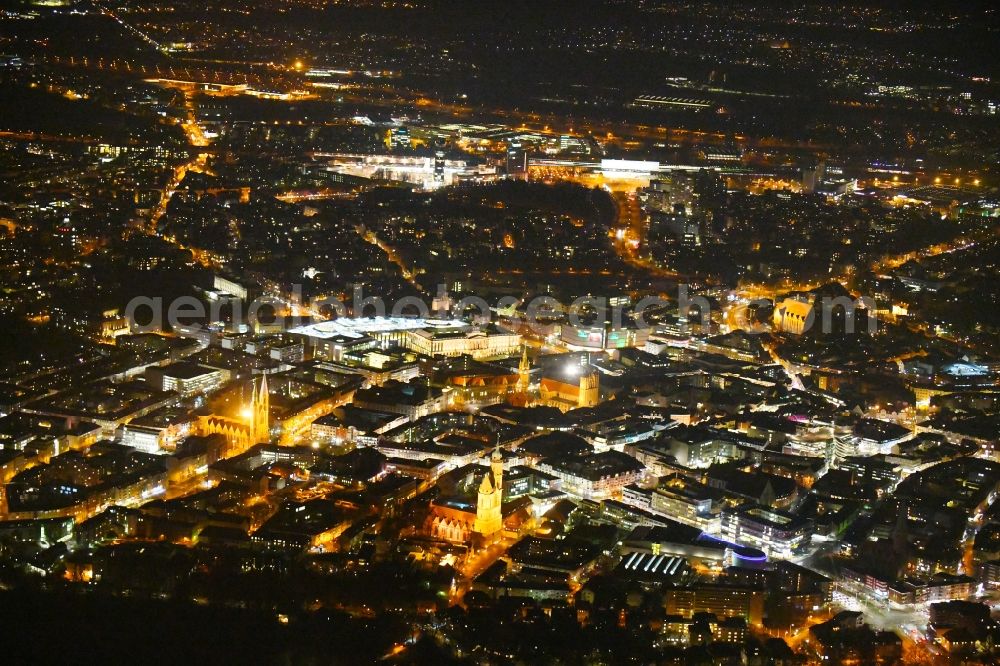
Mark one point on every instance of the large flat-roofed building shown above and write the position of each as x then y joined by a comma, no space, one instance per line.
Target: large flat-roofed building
341,347
720,600
159,431
601,337
427,469
649,568
629,515
690,502
485,342
413,399
939,587
871,437
331,339
777,533
231,287
282,348
597,476
656,455
670,537
700,447
187,379
618,435
427,172
147,439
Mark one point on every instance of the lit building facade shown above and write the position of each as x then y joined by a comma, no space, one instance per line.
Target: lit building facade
489,518
775,532
602,337
793,316
463,341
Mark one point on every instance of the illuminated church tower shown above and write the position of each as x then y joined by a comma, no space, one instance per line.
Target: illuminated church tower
524,372
521,396
590,390
260,427
489,518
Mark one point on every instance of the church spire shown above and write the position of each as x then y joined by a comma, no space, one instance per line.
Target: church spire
496,468
489,511
523,377
261,427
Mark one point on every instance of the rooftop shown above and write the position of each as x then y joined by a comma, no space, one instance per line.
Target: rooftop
357,327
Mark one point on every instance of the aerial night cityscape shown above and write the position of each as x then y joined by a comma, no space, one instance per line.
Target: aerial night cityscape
544,332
